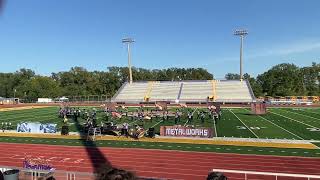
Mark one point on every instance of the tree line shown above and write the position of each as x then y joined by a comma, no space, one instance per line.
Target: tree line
280,80
78,81
285,80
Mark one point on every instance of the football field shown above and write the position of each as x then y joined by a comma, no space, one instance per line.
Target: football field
278,123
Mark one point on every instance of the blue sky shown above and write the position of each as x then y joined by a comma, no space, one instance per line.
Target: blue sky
54,35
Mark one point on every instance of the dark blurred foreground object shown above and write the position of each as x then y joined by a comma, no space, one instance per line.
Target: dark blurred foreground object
151,133
48,176
12,174
216,176
65,130
1,176
110,173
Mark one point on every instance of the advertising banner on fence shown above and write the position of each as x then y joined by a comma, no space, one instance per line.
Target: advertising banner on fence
36,127
181,131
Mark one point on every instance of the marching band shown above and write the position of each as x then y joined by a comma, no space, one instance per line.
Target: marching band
137,116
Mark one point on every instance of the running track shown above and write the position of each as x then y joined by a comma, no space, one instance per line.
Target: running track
158,163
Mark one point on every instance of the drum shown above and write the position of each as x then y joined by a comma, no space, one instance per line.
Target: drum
139,133
132,132
119,126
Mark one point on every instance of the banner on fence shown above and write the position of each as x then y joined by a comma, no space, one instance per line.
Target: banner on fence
32,127
181,131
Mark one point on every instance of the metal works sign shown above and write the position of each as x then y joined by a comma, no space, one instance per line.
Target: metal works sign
181,131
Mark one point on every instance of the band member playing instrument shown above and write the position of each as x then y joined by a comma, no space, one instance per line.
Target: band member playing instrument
176,117
202,116
189,117
65,119
198,114
165,116
125,129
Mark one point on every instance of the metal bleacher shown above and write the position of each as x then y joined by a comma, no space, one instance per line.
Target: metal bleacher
165,91
228,91
133,92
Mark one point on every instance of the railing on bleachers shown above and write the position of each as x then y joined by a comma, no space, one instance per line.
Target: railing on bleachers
26,174
57,174
234,174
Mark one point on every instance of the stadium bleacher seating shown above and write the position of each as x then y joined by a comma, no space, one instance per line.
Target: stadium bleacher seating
165,91
229,91
132,92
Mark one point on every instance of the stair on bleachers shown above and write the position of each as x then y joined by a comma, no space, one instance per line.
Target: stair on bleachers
180,90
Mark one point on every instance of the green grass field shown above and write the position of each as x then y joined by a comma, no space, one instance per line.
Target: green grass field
278,123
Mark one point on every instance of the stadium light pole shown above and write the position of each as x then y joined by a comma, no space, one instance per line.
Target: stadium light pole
128,41
241,33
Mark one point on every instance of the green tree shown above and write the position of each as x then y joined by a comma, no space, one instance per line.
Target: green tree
40,87
282,80
310,79
256,87
232,76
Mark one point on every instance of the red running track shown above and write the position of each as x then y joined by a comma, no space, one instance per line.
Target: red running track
158,163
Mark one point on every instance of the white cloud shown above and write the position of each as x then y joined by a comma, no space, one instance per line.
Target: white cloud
280,49
285,49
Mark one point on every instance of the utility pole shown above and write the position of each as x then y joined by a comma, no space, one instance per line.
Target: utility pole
128,41
241,33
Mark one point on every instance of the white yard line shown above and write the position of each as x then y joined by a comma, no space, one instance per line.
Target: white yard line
310,112
192,116
133,122
186,123
293,119
194,111
280,127
156,124
244,124
215,129
301,114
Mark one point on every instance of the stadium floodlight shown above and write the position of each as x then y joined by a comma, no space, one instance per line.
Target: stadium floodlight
241,33
128,41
